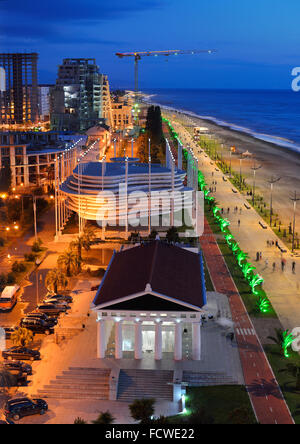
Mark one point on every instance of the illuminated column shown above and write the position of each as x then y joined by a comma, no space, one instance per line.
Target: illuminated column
196,341
138,340
100,339
178,342
158,341
118,340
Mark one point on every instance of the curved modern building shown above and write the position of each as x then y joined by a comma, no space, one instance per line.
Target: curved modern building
97,190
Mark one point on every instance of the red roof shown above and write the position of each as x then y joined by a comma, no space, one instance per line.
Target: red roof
170,271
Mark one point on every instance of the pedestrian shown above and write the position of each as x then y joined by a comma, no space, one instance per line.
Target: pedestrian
293,267
222,211
257,256
266,263
274,266
268,243
240,211
228,210
260,256
239,223
282,265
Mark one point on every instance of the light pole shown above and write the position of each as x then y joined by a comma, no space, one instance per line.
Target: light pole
254,169
241,159
272,181
294,199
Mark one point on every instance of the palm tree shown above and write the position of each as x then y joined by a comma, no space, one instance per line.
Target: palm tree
56,280
89,236
69,261
142,410
78,245
172,235
293,368
22,337
283,340
80,421
104,418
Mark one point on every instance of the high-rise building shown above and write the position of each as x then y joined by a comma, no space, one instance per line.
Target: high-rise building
19,100
81,98
2,79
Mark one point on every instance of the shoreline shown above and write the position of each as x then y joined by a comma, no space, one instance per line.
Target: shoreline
275,160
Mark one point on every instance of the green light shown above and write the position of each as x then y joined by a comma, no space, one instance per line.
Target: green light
288,339
254,282
263,304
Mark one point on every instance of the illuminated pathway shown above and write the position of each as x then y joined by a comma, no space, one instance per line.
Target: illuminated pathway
265,394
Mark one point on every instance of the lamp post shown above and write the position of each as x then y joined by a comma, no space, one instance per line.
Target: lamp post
272,181
254,169
294,199
241,159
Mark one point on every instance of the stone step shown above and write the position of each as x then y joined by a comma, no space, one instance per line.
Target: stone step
103,371
68,395
78,378
82,386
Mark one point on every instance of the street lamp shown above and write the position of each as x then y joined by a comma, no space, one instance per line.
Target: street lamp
294,199
254,169
272,181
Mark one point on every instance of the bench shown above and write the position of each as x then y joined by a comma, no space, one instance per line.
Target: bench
263,225
234,191
224,178
247,206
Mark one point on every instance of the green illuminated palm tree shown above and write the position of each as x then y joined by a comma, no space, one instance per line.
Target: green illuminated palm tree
254,282
247,269
283,339
263,304
241,257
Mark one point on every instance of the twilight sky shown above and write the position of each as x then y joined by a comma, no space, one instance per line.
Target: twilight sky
257,40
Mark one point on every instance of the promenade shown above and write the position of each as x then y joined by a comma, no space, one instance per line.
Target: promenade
265,394
282,287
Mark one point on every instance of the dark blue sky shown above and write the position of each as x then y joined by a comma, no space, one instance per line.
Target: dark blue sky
258,41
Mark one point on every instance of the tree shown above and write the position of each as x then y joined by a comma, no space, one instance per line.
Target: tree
7,380
293,368
89,236
56,280
283,340
78,245
104,418
21,337
69,261
142,410
172,235
79,421
37,246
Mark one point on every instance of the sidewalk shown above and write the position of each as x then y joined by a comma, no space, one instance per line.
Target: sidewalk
265,394
282,287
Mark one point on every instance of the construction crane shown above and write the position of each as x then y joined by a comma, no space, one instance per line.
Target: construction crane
138,56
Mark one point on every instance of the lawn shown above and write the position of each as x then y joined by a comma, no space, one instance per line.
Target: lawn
224,404
285,380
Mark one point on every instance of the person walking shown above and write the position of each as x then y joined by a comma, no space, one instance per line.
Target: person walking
274,266
282,265
266,263
260,256
294,267
239,223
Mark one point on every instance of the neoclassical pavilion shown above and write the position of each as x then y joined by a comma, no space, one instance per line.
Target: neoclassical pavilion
150,296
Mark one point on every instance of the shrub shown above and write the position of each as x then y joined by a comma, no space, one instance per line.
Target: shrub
36,247
18,267
30,257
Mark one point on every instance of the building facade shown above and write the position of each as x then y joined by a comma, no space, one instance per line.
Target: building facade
81,98
150,296
19,100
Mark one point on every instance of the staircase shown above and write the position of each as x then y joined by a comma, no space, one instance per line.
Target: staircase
138,384
198,379
79,383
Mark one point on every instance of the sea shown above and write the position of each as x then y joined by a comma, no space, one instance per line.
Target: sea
269,115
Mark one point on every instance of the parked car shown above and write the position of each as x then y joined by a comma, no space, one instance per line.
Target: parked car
9,331
18,408
21,353
60,297
56,302
43,317
18,378
37,326
6,421
18,365
51,309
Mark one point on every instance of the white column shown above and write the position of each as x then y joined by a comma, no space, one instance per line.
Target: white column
178,342
158,341
197,341
138,341
118,340
101,339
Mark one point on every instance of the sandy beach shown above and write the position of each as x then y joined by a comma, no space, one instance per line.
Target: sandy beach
274,160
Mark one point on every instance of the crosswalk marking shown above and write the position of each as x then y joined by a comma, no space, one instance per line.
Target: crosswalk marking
245,331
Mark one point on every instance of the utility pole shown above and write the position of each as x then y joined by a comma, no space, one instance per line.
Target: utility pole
272,181
254,169
294,199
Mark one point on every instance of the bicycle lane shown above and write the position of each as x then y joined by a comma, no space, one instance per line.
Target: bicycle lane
265,394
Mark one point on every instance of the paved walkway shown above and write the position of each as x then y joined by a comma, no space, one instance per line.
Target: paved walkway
263,389
283,288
